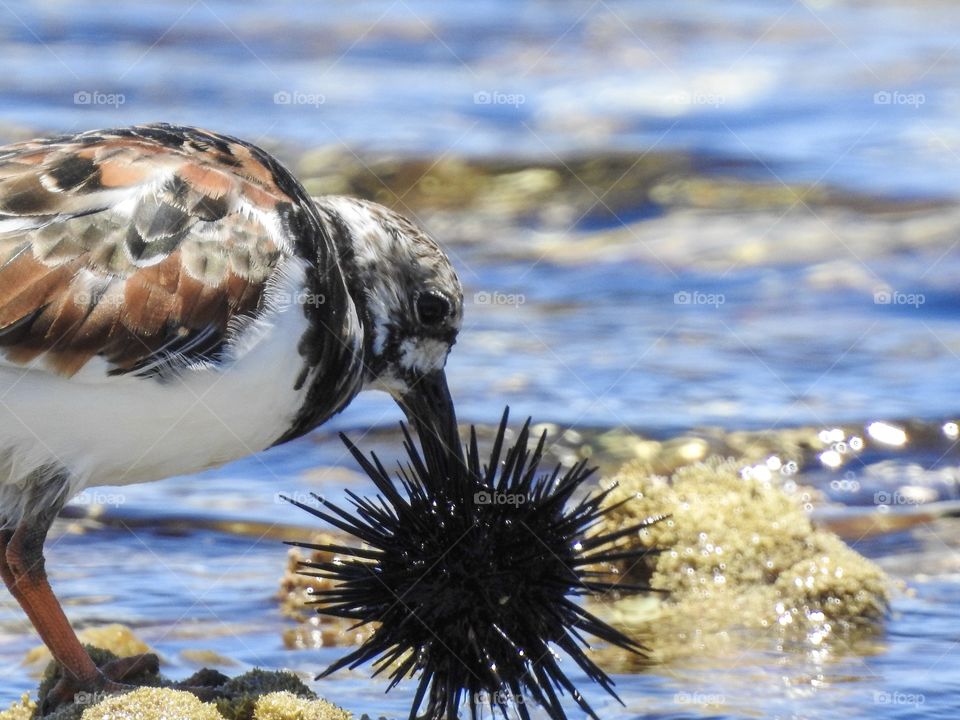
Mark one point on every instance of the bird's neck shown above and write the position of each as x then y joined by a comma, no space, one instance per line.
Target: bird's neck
333,345
357,271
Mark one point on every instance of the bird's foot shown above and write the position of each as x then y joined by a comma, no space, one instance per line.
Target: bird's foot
114,676
123,675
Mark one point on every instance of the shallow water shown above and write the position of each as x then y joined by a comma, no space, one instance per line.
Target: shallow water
588,324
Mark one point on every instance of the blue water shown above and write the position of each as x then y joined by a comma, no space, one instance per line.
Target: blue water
856,97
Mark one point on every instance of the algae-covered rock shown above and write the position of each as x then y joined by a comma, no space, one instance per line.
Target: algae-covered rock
737,551
118,639
242,693
237,698
100,657
297,595
22,710
287,706
152,704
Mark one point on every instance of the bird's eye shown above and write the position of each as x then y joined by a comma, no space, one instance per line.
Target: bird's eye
432,308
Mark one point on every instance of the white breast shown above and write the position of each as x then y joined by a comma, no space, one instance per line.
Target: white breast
124,430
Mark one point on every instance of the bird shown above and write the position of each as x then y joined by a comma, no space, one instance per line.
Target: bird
172,299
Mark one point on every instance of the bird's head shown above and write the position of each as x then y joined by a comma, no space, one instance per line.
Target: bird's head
411,306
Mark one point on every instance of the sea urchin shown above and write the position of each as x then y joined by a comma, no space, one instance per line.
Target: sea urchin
472,573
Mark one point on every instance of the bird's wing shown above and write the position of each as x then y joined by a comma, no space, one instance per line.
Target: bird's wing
138,245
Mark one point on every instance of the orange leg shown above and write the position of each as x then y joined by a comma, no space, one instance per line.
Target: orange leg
23,572
22,569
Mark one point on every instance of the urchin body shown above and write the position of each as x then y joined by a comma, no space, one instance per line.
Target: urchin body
172,299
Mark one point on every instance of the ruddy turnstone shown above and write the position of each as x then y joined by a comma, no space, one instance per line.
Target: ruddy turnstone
172,299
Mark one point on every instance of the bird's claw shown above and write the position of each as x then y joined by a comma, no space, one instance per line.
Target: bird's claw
111,678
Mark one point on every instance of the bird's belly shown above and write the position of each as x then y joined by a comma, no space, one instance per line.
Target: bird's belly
126,430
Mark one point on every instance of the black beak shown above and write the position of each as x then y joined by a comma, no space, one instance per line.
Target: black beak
429,408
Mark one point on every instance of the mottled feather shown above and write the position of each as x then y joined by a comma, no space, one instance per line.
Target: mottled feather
139,245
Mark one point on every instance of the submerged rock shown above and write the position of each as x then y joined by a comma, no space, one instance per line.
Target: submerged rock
296,595
152,704
737,552
285,705
167,704
255,695
23,710
118,639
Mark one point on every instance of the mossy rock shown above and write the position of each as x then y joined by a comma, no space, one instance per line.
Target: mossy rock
242,693
100,657
116,638
288,706
255,695
736,551
152,704
23,710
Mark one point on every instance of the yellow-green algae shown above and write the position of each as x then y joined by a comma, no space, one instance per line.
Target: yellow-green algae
22,710
166,704
255,695
117,638
736,551
298,597
287,706
243,692
152,704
